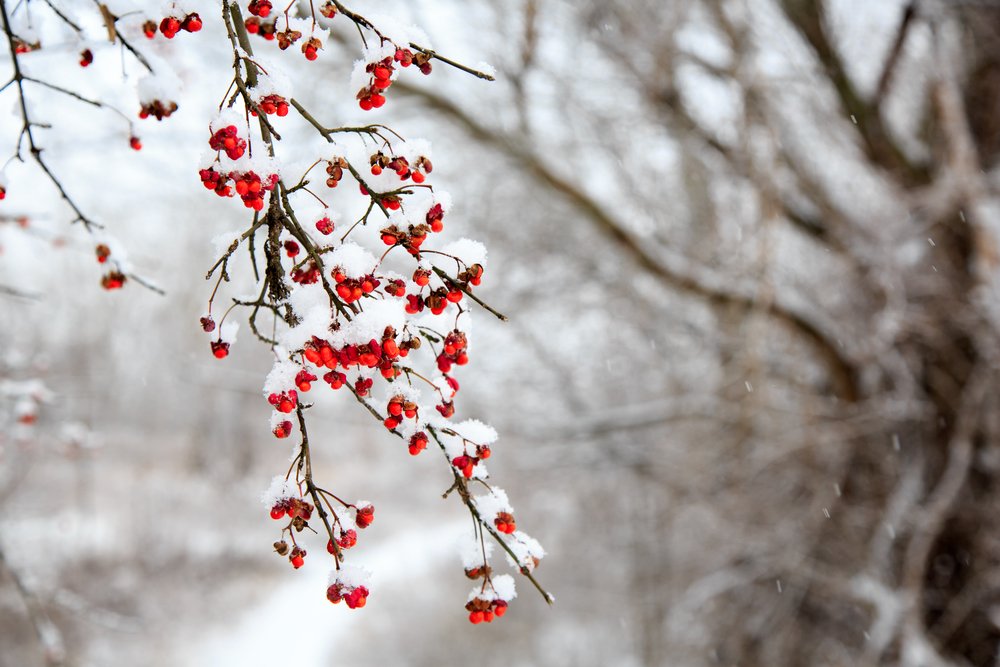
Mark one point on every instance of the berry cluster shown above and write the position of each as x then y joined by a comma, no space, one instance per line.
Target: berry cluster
250,187
484,611
272,105
171,25
288,37
417,443
453,351
505,523
306,274
418,171
157,109
352,289
285,401
340,313
372,96
466,463
355,598
344,316
266,29
227,139
261,8
22,46
399,408
113,280
335,171
381,355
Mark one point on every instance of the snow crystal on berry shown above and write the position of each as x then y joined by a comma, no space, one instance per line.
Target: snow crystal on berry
452,446
469,251
372,321
227,332
353,260
275,82
280,489
491,504
311,304
503,589
225,118
372,54
408,392
163,87
262,165
476,431
443,198
413,149
528,550
351,576
281,378
345,518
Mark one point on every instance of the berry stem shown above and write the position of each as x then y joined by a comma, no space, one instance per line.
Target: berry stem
485,306
305,467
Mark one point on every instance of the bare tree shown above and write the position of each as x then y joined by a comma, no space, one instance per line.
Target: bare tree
798,200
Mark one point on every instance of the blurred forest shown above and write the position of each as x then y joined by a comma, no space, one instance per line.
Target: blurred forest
749,397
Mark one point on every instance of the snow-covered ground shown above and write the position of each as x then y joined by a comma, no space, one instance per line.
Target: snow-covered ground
300,603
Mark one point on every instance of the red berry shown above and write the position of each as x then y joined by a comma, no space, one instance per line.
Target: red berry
192,23
476,617
169,27
283,430
277,512
260,8
364,516
325,226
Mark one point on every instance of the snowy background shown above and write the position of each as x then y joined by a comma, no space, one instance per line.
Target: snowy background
743,275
